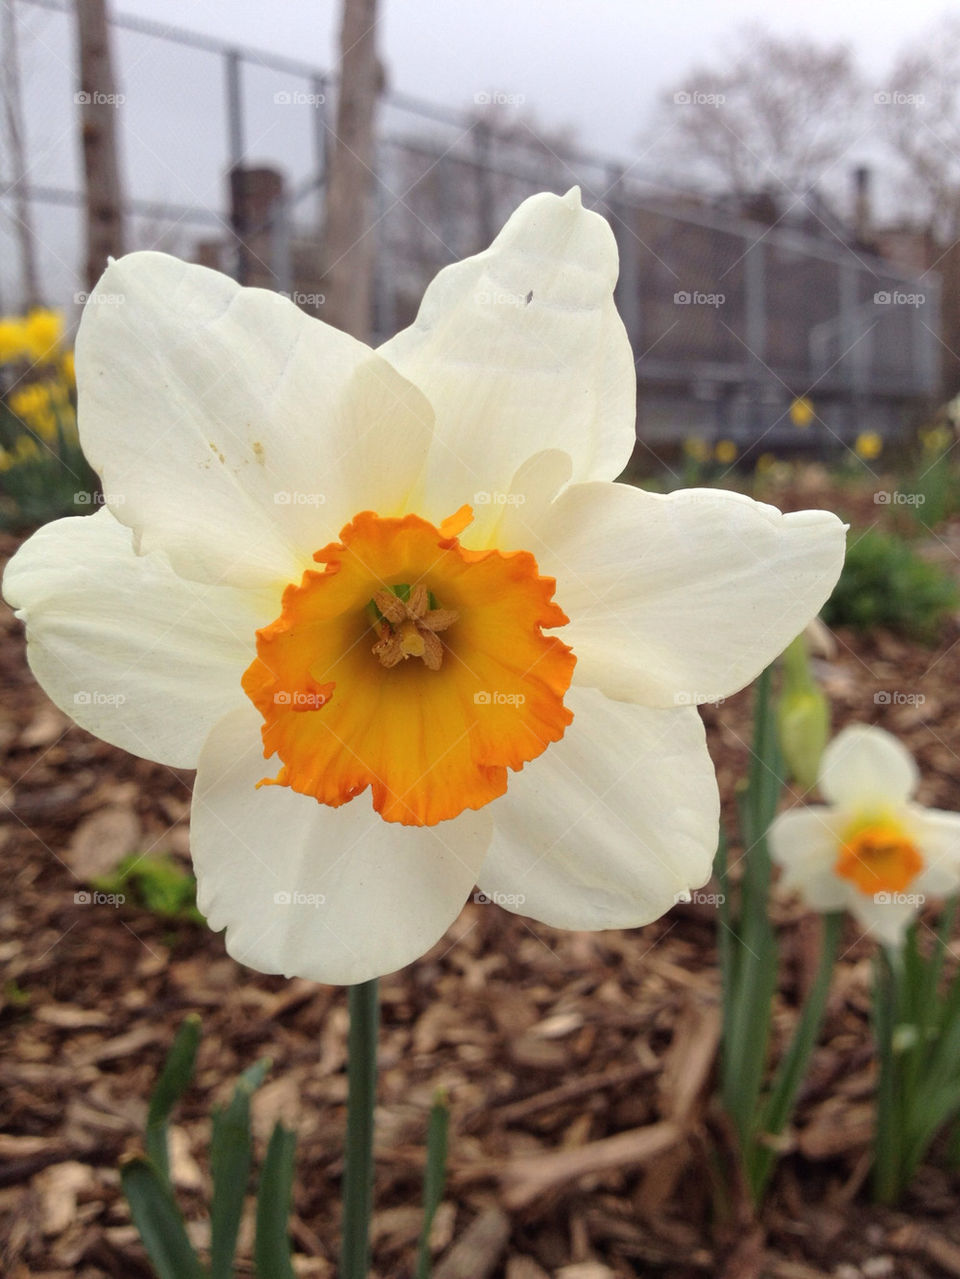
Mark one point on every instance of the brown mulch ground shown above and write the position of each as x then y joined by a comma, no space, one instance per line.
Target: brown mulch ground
585,1142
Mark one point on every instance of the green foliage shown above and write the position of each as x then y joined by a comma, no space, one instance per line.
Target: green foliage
748,962
43,473
917,1027
885,583
159,884
435,1176
149,1190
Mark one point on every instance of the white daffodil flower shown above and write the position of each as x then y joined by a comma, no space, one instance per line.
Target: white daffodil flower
869,850
348,559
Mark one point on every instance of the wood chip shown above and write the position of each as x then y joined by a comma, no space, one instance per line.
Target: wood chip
102,841
477,1252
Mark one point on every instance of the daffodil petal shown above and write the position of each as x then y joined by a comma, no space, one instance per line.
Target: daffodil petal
521,349
334,895
865,767
937,835
135,654
685,598
612,825
883,921
231,430
805,844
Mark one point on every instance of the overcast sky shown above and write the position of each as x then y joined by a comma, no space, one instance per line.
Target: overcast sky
596,65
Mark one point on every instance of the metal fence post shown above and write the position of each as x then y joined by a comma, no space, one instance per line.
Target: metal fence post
755,326
486,214
235,141
321,138
854,349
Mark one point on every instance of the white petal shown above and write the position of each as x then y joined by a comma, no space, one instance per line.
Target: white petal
805,843
884,921
231,430
937,835
332,894
521,349
132,652
613,824
866,767
683,598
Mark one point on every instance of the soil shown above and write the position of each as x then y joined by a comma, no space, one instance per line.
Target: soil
585,1142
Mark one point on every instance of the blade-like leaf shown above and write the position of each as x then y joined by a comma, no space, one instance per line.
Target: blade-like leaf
272,1248
158,1220
231,1150
435,1176
172,1084
780,1102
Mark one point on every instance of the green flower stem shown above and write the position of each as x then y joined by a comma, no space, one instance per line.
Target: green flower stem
363,1003
888,1151
780,1103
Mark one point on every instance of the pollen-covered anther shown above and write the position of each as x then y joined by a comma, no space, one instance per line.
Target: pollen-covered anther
408,628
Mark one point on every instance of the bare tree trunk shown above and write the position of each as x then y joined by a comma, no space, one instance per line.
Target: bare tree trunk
99,103
13,118
348,246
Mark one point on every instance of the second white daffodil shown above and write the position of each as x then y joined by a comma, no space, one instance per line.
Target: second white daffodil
870,849
323,570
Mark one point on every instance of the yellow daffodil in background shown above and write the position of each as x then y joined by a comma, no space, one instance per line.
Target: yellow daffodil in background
326,575
936,439
869,445
26,449
725,452
870,849
802,412
696,448
43,333
13,345
33,404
